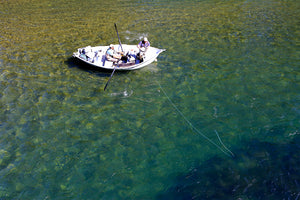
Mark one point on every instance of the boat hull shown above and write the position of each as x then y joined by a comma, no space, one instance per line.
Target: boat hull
95,56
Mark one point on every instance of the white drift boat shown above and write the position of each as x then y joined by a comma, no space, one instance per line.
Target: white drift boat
96,56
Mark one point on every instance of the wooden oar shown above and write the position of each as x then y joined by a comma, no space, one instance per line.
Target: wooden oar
118,60
110,77
118,37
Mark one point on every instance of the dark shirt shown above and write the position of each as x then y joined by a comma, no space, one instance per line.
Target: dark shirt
144,44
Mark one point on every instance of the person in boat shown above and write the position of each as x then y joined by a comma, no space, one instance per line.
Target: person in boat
143,46
131,55
112,55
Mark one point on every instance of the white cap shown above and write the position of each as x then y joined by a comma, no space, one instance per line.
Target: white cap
145,39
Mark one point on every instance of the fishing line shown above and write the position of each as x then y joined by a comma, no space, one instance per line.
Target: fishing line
223,144
194,128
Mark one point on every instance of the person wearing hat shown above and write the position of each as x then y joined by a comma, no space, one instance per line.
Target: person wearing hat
111,54
144,44
143,47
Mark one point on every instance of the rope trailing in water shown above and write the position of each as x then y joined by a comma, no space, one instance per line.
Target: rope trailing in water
223,144
194,128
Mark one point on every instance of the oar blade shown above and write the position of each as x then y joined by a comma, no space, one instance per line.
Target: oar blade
110,78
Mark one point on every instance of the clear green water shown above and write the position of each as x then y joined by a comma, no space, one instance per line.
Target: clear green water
231,67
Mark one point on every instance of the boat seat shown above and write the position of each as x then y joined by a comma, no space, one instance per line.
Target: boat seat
103,59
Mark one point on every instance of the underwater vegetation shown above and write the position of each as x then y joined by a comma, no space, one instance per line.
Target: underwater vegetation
272,173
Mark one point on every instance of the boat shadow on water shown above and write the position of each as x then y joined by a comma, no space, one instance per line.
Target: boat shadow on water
100,72
75,63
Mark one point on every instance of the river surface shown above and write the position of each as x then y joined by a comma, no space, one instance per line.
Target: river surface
216,117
